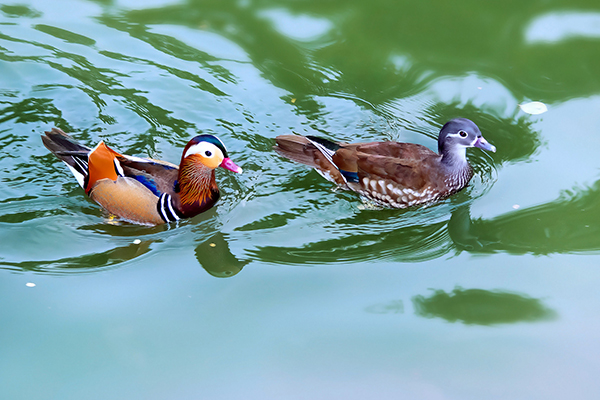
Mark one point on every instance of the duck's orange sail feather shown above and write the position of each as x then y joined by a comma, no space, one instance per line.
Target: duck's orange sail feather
101,164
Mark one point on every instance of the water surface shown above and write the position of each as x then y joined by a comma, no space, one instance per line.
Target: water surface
289,289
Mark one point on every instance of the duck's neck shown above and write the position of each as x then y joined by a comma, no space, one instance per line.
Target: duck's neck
454,158
198,189
458,169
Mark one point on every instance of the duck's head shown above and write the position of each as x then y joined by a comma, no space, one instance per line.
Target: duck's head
209,151
459,134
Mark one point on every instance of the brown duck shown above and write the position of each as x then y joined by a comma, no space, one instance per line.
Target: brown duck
392,174
142,190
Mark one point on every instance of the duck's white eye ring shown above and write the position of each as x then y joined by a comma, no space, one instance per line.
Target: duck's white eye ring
463,134
207,153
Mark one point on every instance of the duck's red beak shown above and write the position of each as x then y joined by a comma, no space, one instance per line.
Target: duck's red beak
230,165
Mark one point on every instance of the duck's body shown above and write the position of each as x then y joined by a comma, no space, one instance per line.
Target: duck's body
143,190
393,174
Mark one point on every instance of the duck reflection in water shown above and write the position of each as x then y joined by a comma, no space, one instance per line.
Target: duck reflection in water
569,224
216,258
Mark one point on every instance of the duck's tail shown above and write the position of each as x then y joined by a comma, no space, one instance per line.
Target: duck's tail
312,151
305,149
72,153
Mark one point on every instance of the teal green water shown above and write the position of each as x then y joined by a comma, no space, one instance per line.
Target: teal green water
288,289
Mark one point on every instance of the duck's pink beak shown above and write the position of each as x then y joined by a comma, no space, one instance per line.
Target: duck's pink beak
484,144
230,165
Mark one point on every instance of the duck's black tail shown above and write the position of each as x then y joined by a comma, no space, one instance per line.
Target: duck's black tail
71,152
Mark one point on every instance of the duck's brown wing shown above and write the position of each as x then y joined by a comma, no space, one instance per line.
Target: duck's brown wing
404,163
397,173
409,152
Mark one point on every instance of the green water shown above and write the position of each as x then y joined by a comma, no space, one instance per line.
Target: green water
288,289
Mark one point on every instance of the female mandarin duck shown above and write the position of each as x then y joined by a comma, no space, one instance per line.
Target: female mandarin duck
392,174
143,190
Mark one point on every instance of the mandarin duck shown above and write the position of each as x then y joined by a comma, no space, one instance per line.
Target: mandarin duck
392,174
143,190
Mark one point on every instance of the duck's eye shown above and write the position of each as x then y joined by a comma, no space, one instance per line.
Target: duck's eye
463,134
207,153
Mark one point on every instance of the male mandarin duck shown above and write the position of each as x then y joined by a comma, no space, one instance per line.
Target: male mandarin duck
143,190
392,174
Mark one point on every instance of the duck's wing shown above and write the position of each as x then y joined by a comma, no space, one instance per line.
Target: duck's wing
380,159
133,188
158,176
400,174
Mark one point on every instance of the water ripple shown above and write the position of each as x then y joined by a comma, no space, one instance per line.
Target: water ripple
146,80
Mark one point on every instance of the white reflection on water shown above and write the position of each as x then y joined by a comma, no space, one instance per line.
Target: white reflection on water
558,26
298,27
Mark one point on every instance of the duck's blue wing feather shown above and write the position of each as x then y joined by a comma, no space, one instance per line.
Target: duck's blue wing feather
158,176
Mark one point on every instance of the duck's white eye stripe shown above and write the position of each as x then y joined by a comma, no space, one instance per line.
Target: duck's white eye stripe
202,148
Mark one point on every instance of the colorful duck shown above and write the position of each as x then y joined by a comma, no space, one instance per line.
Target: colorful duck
143,190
